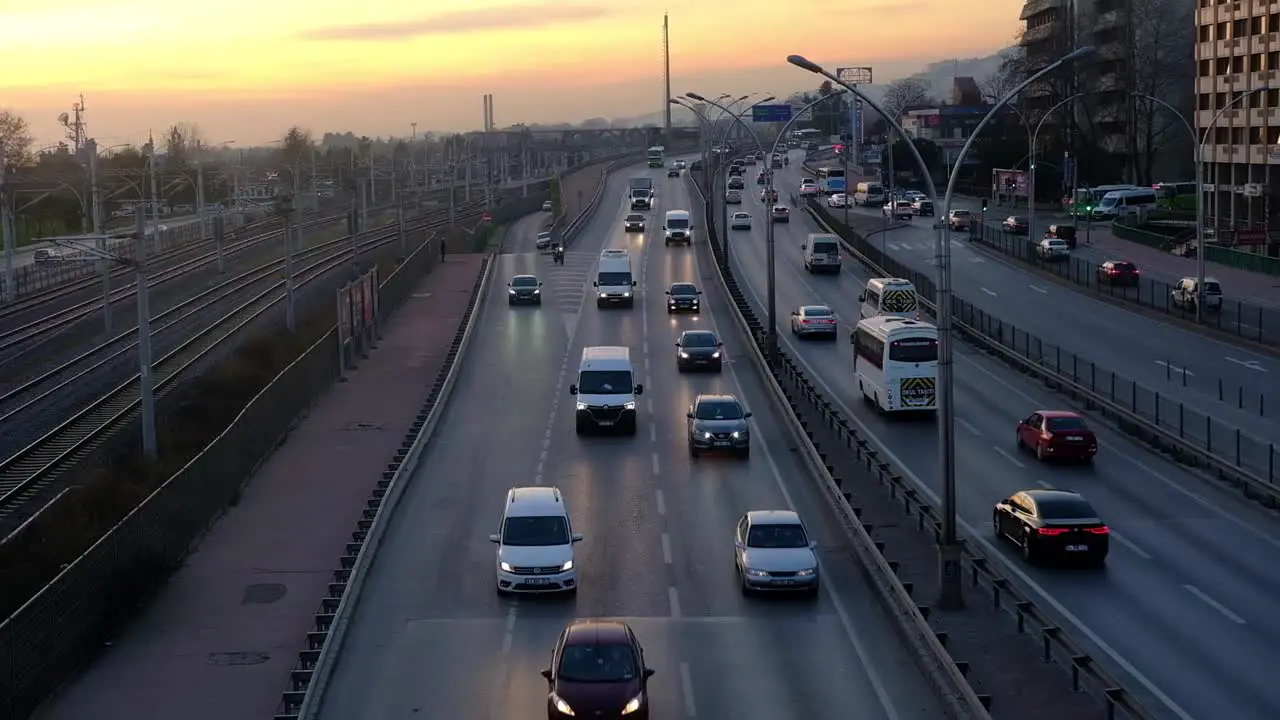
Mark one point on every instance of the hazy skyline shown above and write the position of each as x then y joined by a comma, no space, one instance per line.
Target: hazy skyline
248,70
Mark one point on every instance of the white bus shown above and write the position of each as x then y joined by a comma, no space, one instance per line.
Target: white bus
895,361
657,156
831,180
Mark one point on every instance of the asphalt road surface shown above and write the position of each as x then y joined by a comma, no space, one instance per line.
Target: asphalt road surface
1183,610
432,639
1136,346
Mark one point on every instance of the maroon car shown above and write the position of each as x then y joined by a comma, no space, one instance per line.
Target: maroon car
1057,434
1118,272
598,671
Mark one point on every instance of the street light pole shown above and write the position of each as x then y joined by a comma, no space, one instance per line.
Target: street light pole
155,195
1198,142
6,233
95,212
950,595
146,380
284,205
724,206
1031,164
706,132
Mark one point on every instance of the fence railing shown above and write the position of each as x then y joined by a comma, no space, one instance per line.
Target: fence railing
1255,454
1251,322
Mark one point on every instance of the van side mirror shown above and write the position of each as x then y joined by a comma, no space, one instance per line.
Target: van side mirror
795,314
746,415
539,284
639,389
862,297
508,284
495,538
719,344
699,292
576,537
666,292
547,674
853,337
633,283
573,389
689,414
813,544
595,284
803,246
648,673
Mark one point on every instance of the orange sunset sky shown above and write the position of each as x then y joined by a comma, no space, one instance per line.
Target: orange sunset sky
245,71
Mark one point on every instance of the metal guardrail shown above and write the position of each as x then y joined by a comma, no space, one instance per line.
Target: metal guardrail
1054,642
1248,463
945,674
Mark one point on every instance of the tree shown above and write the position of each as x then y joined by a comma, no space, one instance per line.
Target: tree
1163,66
904,94
1011,71
15,140
929,152
181,143
295,151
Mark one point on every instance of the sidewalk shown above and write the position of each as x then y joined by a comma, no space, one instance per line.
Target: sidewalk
220,639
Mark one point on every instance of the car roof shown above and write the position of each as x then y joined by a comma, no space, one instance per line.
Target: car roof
716,397
596,632
698,332
534,501
807,308
1050,496
773,517
523,277
635,215
1059,413
682,283
742,214
783,208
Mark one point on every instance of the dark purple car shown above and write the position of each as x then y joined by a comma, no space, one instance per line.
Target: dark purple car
598,671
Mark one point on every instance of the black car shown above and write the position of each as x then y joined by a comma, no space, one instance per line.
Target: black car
700,350
633,223
1118,272
683,297
1063,232
598,671
1052,524
524,290
673,172
736,170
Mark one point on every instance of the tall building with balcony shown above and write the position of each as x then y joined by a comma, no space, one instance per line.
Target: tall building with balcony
1238,115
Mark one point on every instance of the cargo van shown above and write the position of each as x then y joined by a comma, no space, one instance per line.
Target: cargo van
606,390
890,297
1123,203
822,253
678,227
614,283
869,194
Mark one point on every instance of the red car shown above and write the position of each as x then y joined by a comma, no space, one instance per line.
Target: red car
598,671
1057,434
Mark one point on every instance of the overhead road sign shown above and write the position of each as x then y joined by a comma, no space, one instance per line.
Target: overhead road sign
771,113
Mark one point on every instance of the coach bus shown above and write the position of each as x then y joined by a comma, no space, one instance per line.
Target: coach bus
895,362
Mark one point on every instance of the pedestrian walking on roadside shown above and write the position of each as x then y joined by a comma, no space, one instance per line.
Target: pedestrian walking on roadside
443,248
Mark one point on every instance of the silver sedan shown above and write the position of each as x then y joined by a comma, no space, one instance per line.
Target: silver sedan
773,552
814,320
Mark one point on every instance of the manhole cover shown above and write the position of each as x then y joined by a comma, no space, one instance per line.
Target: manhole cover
238,658
362,426
263,593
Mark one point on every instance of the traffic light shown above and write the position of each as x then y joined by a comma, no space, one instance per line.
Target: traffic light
984,204
840,148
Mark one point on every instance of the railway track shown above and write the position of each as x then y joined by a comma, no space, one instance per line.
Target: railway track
28,473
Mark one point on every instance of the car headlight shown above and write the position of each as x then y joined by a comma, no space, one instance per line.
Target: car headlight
756,573
511,291
633,704
737,435
537,292
561,706
626,294
706,435
582,406
505,566
567,566
715,356
629,406
810,572
600,294
684,355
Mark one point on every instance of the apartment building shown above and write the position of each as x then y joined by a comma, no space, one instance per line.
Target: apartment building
1237,71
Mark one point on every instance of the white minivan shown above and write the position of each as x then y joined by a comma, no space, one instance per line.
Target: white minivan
677,227
890,297
535,543
822,253
868,194
606,390
1123,203
614,283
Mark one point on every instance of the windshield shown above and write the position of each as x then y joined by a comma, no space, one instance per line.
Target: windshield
1124,267
817,312
1065,509
1108,202
914,350
614,278
718,410
677,223
1066,424
1212,288
741,216
683,289
597,663
1018,220
535,531
604,382
833,172
525,282
635,217
698,339
777,536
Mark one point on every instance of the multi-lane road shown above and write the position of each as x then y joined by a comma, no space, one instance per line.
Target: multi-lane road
1136,346
1183,611
430,635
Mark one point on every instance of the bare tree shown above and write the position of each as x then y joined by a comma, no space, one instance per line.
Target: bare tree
1164,66
905,93
15,140
1011,72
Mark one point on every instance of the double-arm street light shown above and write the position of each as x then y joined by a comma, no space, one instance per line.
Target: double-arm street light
707,131
1031,164
1198,142
950,594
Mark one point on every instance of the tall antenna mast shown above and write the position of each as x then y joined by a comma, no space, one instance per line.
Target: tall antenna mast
666,59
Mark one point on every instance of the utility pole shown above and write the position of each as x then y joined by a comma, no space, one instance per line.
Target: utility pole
95,213
146,379
6,232
284,205
155,200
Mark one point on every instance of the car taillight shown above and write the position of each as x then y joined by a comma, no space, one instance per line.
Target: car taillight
1104,530
1046,435
1051,531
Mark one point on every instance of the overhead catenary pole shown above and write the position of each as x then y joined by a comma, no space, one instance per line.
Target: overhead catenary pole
284,205
950,592
95,212
6,231
155,194
146,379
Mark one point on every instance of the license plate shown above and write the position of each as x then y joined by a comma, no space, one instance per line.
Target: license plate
536,581
1074,438
605,423
1077,548
722,443
784,582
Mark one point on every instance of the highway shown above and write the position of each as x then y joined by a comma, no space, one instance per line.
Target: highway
430,637
1136,346
1183,611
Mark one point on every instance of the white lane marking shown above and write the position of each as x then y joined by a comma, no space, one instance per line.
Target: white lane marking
653,433
645,347
1129,544
1174,368
1005,454
649,405
666,548
1045,484
646,364
968,426
1214,604
869,661
1251,364
673,597
656,470
510,631
988,547
662,503
686,689
989,292
1039,289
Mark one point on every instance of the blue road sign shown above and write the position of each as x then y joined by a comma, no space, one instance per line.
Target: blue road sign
873,157
771,113
1068,168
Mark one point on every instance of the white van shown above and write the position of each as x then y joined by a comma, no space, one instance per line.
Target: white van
678,227
535,543
822,253
890,297
614,283
606,390
869,193
1123,203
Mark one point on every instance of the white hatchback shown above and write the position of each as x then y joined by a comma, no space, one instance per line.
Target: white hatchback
808,186
740,221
